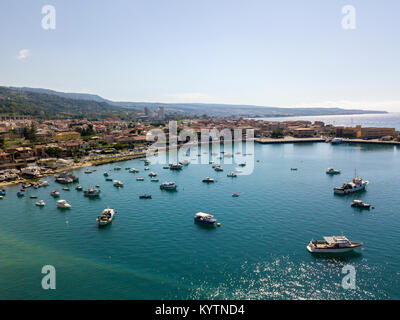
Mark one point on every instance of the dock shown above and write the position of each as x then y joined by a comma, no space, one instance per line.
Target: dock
287,140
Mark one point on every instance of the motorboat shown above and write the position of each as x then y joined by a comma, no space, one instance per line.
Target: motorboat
218,169
33,197
139,179
65,189
152,174
336,141
333,244
357,184
235,195
360,204
147,168
333,171
105,174
145,196
118,183
175,166
168,186
208,179
40,203
154,180
293,169
63,204
79,187
117,168
205,218
92,192
232,175
109,179
55,193
44,184
166,167
133,170
2,192
106,217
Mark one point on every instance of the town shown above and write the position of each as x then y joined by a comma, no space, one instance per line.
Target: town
31,148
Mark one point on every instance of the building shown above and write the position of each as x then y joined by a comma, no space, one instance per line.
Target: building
374,133
304,132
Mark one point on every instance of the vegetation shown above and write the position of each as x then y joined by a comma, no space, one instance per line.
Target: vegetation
278,133
48,106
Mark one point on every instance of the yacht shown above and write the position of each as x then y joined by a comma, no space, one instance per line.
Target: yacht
55,193
357,184
208,179
31,172
205,218
40,203
232,175
118,183
175,166
106,217
333,171
92,192
63,204
333,244
360,204
168,186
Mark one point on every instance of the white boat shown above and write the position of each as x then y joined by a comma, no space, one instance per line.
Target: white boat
333,171
357,184
106,217
44,184
133,170
205,218
55,193
118,183
336,141
333,244
360,204
139,179
117,168
40,203
208,179
152,174
63,204
218,169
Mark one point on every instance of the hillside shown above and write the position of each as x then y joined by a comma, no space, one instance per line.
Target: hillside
52,106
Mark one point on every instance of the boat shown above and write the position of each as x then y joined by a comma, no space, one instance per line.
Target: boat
139,179
92,192
2,192
88,171
293,169
175,166
360,204
168,186
184,162
147,168
166,167
31,172
117,168
118,183
235,195
133,170
333,244
146,162
66,178
333,171
1,197
65,189
152,174
205,218
63,204
33,197
79,187
218,168
336,141
357,184
145,196
44,184
232,175
20,194
105,174
109,179
154,180
208,179
106,217
40,203
55,193
243,164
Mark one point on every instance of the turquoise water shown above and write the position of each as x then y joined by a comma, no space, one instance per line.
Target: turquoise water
153,250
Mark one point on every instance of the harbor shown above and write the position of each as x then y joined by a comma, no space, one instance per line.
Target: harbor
260,243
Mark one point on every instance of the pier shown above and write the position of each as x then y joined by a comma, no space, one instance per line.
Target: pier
287,140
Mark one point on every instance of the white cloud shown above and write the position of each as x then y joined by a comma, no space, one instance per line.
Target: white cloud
23,54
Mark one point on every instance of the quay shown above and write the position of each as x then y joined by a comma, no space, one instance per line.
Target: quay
287,139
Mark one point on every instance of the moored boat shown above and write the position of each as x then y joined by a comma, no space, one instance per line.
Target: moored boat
168,186
63,204
40,203
333,244
232,175
145,196
208,179
106,217
333,171
357,184
175,166
204,218
360,204
92,192
118,183
79,187
55,193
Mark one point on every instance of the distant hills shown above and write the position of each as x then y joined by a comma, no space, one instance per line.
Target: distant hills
54,104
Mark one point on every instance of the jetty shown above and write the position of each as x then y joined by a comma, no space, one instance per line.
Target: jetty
288,139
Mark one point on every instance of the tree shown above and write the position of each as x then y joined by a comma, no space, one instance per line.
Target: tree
277,133
2,141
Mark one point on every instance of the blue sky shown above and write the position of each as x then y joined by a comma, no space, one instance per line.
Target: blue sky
284,53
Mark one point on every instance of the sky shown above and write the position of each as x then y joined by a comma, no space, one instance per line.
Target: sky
282,53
